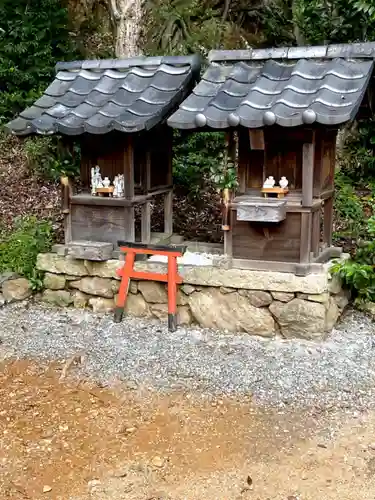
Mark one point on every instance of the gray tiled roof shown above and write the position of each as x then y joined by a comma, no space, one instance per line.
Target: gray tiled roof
97,97
283,86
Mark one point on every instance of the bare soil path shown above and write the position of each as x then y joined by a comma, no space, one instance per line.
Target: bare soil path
66,439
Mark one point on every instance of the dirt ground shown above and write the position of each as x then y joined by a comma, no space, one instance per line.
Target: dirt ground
66,439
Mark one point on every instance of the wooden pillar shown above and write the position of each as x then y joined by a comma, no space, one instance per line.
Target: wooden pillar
129,189
146,207
148,171
315,237
232,146
328,221
243,160
66,194
168,198
305,245
86,164
307,174
228,236
146,223
168,213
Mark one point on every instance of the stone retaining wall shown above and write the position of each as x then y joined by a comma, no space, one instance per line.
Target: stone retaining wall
258,302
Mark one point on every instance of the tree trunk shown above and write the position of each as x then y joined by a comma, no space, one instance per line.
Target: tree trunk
300,39
126,18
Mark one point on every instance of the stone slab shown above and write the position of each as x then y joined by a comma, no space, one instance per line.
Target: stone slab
90,250
245,279
59,249
314,283
58,264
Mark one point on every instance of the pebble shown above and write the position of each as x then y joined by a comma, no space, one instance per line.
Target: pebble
93,483
152,356
47,489
158,462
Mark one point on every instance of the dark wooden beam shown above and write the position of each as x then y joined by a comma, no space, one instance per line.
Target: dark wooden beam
228,235
305,245
168,213
129,225
315,237
328,221
243,160
129,167
308,154
146,223
104,201
168,199
66,195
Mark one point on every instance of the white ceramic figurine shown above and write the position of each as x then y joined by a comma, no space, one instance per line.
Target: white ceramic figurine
98,178
269,182
118,183
93,185
283,182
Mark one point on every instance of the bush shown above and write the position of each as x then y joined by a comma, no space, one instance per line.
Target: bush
19,249
358,273
350,216
49,158
196,157
33,37
357,160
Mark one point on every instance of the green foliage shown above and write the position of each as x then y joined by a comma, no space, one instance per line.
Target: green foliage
367,8
304,22
277,23
348,207
358,273
357,161
358,278
190,26
224,176
196,157
323,21
19,249
172,27
49,159
34,35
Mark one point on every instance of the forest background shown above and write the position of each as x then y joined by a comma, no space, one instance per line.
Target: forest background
35,34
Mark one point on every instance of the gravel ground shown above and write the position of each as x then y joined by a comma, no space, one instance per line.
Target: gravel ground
339,371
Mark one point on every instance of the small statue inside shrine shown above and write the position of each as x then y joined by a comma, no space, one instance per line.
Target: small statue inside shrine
118,184
283,183
269,182
96,179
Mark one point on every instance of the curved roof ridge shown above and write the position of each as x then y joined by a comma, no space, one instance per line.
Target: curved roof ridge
345,50
141,61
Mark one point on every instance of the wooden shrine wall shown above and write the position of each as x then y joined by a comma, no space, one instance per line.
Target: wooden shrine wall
152,151
281,155
98,223
267,241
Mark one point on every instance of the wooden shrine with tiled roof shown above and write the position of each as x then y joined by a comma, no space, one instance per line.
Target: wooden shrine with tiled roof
118,110
282,109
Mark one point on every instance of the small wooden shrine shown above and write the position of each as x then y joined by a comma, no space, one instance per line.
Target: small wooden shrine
117,109
282,109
